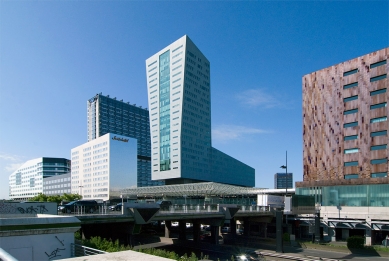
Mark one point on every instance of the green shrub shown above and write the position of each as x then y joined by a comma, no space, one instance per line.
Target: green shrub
355,242
286,237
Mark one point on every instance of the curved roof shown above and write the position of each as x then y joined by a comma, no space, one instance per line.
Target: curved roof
193,189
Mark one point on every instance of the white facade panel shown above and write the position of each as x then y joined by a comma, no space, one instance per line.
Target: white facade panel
103,166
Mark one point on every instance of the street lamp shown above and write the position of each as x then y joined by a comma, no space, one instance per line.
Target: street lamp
286,185
286,174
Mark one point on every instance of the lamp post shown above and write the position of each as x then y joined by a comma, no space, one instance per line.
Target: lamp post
286,174
286,187
81,190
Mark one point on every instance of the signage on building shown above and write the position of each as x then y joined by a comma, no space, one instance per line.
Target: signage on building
120,139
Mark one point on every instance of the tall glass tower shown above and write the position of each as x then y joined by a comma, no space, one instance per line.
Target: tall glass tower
108,115
178,82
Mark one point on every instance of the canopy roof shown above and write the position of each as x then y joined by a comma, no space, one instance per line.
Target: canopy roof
193,189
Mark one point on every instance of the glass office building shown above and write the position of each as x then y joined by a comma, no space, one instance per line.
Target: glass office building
178,82
283,180
109,115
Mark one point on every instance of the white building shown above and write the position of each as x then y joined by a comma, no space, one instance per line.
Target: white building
178,81
103,166
27,181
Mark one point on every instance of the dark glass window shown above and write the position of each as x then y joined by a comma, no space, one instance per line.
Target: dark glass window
379,175
354,84
351,163
351,98
351,176
378,105
379,147
377,92
350,124
350,111
373,65
350,72
377,78
378,133
351,137
378,161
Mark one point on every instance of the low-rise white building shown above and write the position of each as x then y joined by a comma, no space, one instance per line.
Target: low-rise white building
103,166
27,181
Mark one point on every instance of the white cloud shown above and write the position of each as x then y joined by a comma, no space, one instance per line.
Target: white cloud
233,132
258,98
10,163
13,166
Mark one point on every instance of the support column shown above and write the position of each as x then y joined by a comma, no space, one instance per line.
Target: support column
246,228
317,228
279,241
368,236
168,228
196,231
182,230
215,234
233,227
332,234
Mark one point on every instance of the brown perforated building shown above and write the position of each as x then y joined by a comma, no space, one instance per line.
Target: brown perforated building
345,126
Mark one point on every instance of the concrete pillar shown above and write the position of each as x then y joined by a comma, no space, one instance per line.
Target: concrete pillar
168,228
368,236
317,228
279,239
233,227
196,231
215,230
246,228
182,230
332,234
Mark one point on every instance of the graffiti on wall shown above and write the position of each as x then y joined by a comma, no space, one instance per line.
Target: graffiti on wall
28,208
56,252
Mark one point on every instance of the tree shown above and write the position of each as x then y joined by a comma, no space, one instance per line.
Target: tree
56,198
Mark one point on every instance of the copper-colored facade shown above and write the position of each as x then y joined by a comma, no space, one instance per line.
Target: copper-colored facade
325,113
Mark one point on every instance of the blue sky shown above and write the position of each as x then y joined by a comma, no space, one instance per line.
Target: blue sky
55,55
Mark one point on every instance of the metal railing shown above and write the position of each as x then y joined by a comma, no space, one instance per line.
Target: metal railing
5,256
80,250
175,208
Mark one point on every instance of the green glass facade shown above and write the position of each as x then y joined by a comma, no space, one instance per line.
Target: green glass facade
164,110
373,195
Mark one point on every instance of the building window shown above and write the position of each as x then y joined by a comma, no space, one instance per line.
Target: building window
379,119
378,105
378,133
351,176
379,175
377,78
378,147
378,161
373,65
351,98
354,84
350,124
351,137
350,72
349,151
351,163
377,92
350,111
